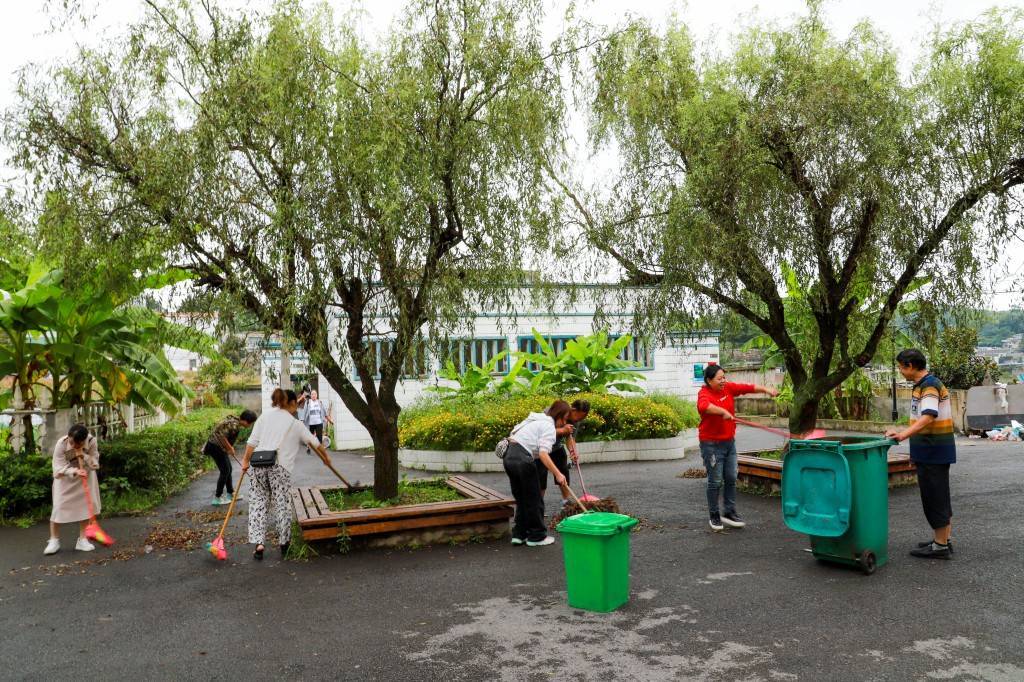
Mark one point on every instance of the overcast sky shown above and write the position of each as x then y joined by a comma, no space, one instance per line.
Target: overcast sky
26,36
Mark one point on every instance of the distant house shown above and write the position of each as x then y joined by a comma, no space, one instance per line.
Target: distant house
675,366
183,360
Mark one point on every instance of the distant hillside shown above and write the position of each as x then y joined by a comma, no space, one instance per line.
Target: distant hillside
1000,324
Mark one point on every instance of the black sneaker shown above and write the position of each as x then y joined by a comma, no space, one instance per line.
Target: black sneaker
932,551
715,521
733,520
928,542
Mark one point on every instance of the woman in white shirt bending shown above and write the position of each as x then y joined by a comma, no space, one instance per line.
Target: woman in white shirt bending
270,487
532,439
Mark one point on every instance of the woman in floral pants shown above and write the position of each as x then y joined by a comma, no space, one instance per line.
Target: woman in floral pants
270,486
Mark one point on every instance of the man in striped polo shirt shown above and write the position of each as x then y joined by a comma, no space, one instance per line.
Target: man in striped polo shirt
932,449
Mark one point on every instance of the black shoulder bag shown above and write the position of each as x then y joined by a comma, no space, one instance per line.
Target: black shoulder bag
268,458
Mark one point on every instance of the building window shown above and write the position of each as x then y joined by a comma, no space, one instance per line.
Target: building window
415,364
637,351
528,344
477,351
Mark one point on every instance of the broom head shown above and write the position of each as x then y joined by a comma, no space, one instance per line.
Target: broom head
216,549
94,532
590,498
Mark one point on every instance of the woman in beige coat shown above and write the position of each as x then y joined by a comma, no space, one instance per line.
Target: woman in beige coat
75,457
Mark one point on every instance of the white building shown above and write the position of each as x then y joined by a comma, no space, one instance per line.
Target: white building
675,367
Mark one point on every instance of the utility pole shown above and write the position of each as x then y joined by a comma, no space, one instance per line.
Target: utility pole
892,339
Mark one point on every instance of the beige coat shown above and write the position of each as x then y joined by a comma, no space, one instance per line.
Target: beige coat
68,495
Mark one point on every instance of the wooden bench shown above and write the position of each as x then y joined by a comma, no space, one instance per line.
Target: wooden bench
318,522
750,463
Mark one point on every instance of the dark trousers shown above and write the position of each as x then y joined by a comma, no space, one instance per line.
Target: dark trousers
223,463
933,481
318,431
522,477
560,458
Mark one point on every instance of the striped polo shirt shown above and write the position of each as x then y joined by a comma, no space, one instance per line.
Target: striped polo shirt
933,444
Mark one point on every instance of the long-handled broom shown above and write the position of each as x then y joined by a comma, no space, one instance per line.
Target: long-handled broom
330,466
812,434
587,497
216,548
92,529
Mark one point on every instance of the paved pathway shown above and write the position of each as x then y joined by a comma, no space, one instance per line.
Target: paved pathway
741,605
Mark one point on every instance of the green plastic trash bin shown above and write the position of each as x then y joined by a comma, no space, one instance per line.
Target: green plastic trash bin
837,492
596,548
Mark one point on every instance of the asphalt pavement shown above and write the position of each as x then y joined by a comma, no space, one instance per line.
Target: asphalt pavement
747,604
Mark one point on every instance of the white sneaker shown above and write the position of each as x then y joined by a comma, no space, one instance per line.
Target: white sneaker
83,545
517,541
52,546
240,498
540,543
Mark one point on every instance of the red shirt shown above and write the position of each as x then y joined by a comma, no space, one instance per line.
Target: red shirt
712,426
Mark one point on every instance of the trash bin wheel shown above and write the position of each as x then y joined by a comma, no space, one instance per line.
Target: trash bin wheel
867,562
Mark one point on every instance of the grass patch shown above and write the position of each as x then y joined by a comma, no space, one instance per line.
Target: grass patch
409,492
298,548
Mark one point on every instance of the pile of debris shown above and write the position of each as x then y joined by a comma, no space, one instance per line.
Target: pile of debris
1015,431
571,508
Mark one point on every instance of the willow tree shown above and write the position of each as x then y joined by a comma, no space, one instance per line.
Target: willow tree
800,154
347,195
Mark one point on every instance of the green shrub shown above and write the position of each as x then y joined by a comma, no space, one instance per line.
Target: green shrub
164,458
480,423
137,470
24,484
687,410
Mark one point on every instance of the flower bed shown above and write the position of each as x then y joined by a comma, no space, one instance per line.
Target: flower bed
476,425
470,510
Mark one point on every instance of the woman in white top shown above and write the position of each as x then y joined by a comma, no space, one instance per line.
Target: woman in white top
315,416
270,487
532,439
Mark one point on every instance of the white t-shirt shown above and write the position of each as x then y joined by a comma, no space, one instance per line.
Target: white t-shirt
277,429
536,433
314,412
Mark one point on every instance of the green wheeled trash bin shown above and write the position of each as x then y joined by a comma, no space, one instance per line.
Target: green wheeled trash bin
596,548
837,492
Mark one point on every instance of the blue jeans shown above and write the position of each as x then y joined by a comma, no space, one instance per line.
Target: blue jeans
720,462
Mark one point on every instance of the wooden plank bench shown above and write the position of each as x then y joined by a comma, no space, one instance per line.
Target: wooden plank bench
318,522
750,464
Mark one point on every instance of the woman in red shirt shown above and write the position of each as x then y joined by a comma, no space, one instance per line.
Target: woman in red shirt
717,434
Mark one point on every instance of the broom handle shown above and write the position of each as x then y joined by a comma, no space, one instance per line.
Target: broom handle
569,452
579,472
331,467
85,487
778,432
575,499
231,507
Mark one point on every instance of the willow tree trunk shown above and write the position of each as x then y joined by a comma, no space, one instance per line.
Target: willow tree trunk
803,415
385,454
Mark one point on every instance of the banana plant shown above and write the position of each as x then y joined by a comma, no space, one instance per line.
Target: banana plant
23,309
88,346
471,381
588,364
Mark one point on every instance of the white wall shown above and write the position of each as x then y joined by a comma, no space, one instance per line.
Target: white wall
672,371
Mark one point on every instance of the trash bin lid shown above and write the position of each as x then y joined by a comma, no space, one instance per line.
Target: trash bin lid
597,523
816,491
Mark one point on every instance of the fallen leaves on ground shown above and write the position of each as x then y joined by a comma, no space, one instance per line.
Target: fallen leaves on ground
166,536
